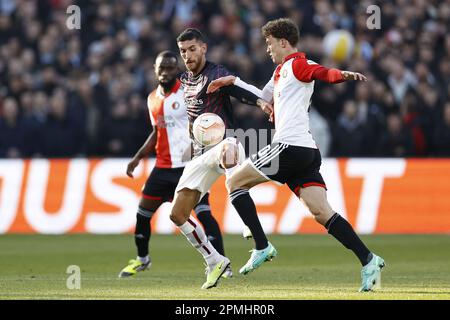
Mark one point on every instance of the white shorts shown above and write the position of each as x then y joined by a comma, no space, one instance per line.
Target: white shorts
201,172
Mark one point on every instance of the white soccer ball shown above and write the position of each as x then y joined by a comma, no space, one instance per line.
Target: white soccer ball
208,129
339,45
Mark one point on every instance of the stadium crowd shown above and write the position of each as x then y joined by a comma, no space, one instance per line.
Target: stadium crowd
70,93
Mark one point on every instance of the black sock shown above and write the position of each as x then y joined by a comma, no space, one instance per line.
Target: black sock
212,229
245,206
142,231
339,228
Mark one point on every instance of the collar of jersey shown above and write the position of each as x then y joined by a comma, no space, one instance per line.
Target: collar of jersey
174,89
294,55
191,74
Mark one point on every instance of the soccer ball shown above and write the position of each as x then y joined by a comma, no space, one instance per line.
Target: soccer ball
338,45
208,129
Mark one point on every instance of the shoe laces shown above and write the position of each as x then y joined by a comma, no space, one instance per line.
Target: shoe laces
254,254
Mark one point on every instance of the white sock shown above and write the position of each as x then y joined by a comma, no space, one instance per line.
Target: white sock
143,259
195,234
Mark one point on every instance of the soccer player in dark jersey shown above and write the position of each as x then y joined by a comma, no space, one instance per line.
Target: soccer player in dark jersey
169,139
208,164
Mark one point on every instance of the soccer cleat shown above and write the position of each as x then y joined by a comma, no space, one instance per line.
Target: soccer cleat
133,267
371,274
258,257
246,233
213,274
228,273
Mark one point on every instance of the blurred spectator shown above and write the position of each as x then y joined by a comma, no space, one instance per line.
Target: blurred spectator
122,133
397,141
442,133
320,131
62,135
348,133
12,139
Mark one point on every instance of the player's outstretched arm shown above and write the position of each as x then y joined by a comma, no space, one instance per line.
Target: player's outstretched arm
144,151
219,83
307,71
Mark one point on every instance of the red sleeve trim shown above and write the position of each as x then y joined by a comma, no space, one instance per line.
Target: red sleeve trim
335,75
328,75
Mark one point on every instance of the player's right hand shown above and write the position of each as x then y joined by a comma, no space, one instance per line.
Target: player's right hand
131,166
219,83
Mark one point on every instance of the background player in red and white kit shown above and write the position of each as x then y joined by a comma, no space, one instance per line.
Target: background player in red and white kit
293,148
170,139
200,173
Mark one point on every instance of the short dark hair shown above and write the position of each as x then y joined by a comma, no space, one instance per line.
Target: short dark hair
191,34
167,54
283,28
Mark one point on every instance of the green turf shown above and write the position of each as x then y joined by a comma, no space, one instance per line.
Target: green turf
307,267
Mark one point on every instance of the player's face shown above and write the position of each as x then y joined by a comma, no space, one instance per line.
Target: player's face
166,69
193,53
274,49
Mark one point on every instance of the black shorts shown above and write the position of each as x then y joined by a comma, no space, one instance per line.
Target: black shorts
296,166
161,185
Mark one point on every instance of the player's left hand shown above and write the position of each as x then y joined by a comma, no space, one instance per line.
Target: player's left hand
348,75
219,83
131,166
266,107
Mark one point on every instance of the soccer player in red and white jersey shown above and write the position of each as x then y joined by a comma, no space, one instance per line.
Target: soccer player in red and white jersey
294,150
170,139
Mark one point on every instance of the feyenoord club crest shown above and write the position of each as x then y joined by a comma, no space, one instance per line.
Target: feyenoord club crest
175,105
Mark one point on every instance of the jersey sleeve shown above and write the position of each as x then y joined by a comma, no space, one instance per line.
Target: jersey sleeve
221,71
267,91
308,70
249,87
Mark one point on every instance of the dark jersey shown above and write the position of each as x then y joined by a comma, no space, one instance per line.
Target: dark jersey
196,99
198,102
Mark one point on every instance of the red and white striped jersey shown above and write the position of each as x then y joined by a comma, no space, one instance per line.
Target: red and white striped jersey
168,113
290,89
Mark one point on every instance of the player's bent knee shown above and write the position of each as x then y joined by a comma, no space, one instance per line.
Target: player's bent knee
321,214
176,218
229,155
177,215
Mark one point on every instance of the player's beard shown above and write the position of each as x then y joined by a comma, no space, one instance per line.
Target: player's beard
168,85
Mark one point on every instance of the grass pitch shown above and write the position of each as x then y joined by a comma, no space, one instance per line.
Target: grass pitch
307,267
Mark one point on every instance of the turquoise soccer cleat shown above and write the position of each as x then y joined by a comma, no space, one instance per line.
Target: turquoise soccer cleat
258,257
371,274
213,274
